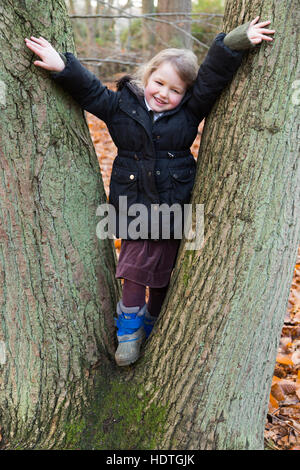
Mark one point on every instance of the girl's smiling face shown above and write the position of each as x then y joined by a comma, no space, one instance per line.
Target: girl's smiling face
164,89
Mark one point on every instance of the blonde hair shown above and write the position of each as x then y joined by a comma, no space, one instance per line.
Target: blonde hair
183,60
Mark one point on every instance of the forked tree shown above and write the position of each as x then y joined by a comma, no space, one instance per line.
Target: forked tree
204,379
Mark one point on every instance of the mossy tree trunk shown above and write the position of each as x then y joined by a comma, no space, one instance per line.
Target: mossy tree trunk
205,377
215,346
57,287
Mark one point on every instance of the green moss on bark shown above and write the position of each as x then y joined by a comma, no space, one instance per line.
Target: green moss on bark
122,416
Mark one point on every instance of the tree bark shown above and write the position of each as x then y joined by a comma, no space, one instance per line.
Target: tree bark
57,286
205,377
215,345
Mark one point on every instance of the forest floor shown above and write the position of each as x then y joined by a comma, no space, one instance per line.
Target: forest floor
282,430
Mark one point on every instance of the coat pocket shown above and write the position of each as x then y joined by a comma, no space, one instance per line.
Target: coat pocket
123,182
182,180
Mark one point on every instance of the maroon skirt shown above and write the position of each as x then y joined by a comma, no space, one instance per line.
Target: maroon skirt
147,262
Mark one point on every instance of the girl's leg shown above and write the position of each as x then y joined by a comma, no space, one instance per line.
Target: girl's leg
130,323
156,298
133,294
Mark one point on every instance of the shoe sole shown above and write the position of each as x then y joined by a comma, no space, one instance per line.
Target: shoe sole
127,362
121,363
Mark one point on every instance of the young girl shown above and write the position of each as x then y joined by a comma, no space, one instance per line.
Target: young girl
153,125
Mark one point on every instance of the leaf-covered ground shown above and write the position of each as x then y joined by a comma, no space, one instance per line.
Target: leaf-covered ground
282,431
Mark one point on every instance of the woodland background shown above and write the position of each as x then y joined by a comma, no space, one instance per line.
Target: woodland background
111,37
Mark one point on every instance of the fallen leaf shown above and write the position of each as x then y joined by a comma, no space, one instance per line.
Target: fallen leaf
274,404
284,359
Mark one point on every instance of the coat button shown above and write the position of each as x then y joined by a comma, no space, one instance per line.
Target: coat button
158,172
133,111
149,173
131,177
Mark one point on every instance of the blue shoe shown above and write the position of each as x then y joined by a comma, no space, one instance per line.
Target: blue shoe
149,321
130,334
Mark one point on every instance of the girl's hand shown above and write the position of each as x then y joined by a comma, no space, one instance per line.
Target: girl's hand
51,59
256,33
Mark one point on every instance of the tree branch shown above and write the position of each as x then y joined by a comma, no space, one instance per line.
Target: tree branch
113,61
150,18
145,15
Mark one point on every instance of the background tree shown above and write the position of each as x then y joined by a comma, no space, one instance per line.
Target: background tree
147,28
166,33
56,278
90,28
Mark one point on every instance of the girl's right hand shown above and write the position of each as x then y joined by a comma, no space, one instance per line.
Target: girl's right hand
51,59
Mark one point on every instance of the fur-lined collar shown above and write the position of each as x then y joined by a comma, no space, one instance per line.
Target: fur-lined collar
129,80
123,81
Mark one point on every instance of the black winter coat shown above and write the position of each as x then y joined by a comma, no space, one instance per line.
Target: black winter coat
154,164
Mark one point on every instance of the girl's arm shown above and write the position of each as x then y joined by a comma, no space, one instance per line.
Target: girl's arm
82,85
221,63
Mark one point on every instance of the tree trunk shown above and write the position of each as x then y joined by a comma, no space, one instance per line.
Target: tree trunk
168,35
205,377
147,31
57,287
89,24
75,21
214,351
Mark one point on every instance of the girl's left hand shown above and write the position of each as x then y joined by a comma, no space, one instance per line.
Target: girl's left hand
257,33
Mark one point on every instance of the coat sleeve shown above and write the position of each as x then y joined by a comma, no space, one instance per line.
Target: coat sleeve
86,89
217,70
